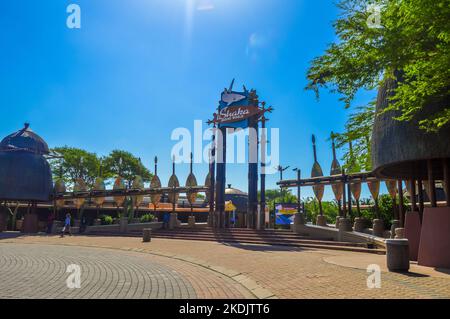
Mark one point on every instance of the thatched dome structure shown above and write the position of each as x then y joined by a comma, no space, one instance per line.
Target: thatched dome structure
400,149
25,174
238,197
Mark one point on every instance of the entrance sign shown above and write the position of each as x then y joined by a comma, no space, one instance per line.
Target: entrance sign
234,114
238,110
284,213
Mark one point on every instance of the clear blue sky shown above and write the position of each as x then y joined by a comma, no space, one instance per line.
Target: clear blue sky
138,69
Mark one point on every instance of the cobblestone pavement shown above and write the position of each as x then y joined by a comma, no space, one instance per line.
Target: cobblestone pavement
270,271
39,271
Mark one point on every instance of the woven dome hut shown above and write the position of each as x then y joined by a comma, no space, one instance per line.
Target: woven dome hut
25,174
400,149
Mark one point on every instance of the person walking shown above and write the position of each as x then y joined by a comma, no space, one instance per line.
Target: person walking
66,228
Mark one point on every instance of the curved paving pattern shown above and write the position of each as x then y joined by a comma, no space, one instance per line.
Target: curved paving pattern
39,271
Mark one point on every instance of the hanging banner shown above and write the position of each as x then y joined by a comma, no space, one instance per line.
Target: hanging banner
284,213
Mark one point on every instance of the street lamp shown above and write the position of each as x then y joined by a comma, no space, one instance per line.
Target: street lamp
299,173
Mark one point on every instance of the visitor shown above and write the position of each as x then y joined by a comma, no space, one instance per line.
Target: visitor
66,227
166,220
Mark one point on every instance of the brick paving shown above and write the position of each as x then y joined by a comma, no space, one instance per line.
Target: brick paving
39,271
270,271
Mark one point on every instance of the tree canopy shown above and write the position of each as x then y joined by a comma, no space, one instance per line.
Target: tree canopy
126,165
76,163
283,196
413,38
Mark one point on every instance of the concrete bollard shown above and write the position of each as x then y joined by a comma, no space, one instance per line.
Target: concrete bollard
299,221
191,221
123,224
147,235
173,221
359,225
378,228
337,221
345,224
399,233
397,255
321,221
395,224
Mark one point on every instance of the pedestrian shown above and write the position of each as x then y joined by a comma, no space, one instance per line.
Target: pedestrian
66,228
166,219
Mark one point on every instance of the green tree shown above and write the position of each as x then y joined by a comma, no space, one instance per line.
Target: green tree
75,163
358,132
330,209
273,196
127,166
413,40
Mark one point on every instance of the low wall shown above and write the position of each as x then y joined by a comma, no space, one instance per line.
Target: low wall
314,231
115,228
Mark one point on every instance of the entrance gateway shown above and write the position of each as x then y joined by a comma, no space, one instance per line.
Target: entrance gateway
238,110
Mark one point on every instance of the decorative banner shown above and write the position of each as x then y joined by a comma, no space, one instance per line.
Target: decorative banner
80,186
338,189
191,182
356,190
155,183
119,184
173,182
99,185
391,186
60,187
374,187
208,185
138,183
284,213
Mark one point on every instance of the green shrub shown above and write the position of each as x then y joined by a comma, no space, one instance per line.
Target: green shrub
147,218
106,220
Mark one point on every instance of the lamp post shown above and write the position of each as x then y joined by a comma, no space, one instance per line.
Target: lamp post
299,202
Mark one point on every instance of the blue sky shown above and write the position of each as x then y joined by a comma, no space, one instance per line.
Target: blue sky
138,69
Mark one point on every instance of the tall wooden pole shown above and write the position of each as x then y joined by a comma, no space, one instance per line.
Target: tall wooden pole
420,197
212,171
344,199
431,184
252,206
412,186
446,170
400,203
221,171
262,205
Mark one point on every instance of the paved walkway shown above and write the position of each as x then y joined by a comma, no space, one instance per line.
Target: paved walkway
266,271
39,271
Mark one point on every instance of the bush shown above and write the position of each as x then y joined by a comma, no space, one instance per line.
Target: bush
106,220
147,218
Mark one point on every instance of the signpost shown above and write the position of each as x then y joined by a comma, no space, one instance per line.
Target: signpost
238,110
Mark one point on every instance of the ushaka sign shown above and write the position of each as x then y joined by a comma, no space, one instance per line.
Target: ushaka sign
236,108
233,114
